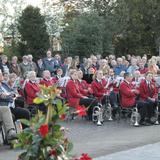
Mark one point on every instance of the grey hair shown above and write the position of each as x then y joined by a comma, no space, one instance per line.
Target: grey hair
30,73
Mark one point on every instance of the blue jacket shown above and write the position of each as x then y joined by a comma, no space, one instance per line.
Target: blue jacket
50,65
119,69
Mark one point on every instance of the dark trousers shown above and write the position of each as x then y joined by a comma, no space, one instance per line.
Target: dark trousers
89,102
151,108
113,97
142,109
19,102
20,113
33,108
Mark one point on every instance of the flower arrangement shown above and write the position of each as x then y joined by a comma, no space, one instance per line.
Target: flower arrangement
44,139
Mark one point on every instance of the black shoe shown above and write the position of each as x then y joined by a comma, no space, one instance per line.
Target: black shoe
149,121
143,123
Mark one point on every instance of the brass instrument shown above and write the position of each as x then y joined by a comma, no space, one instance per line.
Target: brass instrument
107,110
97,115
157,116
135,117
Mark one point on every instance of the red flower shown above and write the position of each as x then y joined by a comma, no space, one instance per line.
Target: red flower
53,152
62,117
81,111
85,157
43,130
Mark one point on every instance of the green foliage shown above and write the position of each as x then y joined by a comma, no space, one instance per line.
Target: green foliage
141,19
87,34
11,51
34,37
44,138
121,26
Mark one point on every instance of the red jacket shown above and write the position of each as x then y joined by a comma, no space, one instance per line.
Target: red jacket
144,70
99,88
84,88
128,98
113,85
73,93
145,92
31,89
47,83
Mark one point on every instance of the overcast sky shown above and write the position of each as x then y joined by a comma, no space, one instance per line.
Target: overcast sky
33,2
37,2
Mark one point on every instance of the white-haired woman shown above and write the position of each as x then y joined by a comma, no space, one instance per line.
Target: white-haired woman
31,90
152,65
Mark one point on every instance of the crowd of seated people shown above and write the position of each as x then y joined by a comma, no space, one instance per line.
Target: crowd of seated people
128,81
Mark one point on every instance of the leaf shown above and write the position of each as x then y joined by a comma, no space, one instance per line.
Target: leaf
70,147
38,100
56,127
25,121
55,118
36,139
17,145
28,130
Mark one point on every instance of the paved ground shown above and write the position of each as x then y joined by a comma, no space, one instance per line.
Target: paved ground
111,138
147,152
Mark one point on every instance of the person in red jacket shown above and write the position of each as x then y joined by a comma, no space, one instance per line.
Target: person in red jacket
149,94
84,87
127,93
75,97
99,86
142,69
113,81
47,79
128,97
31,90
101,90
